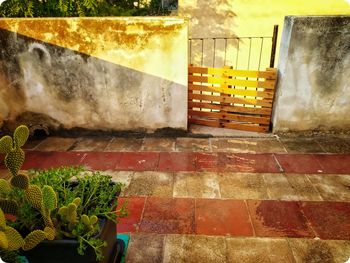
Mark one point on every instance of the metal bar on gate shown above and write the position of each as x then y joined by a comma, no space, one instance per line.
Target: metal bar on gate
214,52
190,51
274,44
261,48
225,51
202,51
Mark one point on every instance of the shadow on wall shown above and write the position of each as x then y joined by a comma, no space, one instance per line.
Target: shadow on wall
69,89
209,18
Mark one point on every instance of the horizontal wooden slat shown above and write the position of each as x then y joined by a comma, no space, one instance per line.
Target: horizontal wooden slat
269,74
269,84
212,106
263,103
244,127
230,117
241,92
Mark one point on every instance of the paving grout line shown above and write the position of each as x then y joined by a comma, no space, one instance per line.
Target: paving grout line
250,217
278,163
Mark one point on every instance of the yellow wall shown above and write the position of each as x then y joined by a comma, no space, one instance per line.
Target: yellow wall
225,18
257,17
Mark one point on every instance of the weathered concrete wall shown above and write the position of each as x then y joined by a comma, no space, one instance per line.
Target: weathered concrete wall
94,73
314,75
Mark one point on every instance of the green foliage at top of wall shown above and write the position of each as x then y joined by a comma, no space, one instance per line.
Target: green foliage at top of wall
75,8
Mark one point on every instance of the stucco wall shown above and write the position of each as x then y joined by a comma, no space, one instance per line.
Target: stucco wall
94,73
314,75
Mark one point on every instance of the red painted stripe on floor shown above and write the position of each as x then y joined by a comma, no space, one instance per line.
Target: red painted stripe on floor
205,162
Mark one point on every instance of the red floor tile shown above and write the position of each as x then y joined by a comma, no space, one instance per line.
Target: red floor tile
222,217
299,163
102,160
334,163
278,219
330,220
135,207
168,216
137,161
176,161
44,160
245,162
58,159
207,162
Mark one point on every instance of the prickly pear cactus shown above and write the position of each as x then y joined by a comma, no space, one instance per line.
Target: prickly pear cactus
5,187
49,198
34,196
20,181
9,206
15,240
6,144
20,136
33,239
14,160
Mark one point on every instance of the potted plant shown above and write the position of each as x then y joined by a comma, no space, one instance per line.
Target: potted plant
61,215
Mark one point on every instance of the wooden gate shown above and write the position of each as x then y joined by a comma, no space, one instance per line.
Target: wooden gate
236,99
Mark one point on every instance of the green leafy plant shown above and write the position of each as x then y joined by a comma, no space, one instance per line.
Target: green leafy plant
72,210
74,8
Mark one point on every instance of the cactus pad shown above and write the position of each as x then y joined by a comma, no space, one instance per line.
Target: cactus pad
85,219
6,144
9,206
50,233
14,160
15,240
5,187
33,239
20,181
2,220
4,244
77,201
49,198
20,135
34,196
63,211
93,219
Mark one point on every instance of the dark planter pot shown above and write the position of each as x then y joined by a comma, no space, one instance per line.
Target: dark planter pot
65,250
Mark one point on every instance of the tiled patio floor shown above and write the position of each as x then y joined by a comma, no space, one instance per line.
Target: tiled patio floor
221,199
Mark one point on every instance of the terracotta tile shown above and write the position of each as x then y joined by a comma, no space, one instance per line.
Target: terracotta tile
265,145
135,206
262,250
278,219
192,145
296,145
177,161
222,217
234,145
158,144
332,187
207,162
150,183
242,186
57,144
145,248
243,162
290,187
92,144
168,216
194,249
44,160
330,220
146,161
299,163
310,250
200,185
335,145
334,163
124,145
101,160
